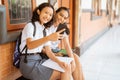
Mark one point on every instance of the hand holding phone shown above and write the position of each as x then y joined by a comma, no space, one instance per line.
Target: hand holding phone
63,26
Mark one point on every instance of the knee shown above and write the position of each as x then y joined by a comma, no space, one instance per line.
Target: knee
55,75
68,68
77,60
76,57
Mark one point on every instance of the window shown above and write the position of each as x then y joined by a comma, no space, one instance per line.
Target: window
96,7
18,12
13,17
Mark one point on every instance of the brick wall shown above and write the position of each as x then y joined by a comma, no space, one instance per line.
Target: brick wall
7,70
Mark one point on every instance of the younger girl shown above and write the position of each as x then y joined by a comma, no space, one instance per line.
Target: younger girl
61,16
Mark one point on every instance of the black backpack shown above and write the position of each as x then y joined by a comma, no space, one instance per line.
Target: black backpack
17,53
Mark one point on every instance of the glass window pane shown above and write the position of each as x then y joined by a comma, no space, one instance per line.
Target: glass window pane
20,11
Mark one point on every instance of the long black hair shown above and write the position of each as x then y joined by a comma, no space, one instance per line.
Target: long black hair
64,25
35,16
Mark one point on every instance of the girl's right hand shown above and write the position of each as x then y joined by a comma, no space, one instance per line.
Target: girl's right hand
63,65
56,36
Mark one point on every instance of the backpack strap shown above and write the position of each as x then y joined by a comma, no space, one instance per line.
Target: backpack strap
25,59
24,48
34,32
34,28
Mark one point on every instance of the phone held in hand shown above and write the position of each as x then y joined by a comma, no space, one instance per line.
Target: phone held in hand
63,26
60,27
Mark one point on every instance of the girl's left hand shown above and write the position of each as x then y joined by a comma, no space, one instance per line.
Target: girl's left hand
73,65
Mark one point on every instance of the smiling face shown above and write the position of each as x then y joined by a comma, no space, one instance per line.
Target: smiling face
61,16
45,15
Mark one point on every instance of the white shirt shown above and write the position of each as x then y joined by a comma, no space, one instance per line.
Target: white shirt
54,44
28,33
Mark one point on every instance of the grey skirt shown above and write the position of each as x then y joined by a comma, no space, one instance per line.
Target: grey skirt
33,69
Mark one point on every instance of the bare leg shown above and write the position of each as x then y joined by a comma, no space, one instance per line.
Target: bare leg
77,74
67,74
61,76
55,75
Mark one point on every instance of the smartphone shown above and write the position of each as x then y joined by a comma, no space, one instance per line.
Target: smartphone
63,26
60,27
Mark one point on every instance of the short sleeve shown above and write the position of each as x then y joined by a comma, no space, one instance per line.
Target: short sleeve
27,31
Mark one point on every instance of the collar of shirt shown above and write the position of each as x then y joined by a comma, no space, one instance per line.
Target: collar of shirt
39,25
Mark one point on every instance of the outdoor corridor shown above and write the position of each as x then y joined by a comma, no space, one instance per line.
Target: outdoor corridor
102,60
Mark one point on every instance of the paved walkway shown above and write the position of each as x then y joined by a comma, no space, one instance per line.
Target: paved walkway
102,60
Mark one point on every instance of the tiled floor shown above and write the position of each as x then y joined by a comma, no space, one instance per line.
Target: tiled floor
102,60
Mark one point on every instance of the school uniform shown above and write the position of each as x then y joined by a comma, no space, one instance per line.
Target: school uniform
33,69
54,44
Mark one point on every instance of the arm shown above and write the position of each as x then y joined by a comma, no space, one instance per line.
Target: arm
35,43
52,56
52,37
67,46
69,52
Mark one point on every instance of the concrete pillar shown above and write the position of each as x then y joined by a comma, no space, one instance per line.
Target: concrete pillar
118,3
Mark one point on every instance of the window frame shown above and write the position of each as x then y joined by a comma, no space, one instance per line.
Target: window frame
96,5
14,27
5,35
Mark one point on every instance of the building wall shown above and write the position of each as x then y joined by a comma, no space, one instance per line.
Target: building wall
7,70
89,27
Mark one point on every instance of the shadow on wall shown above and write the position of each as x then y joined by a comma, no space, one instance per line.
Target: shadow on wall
6,36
